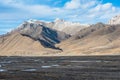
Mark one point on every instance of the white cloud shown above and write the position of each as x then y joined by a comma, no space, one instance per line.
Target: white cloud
29,10
87,11
75,4
11,2
103,11
103,7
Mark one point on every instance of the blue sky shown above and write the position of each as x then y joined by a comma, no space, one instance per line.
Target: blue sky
14,12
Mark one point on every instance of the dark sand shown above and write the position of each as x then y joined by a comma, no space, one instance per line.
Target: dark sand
60,68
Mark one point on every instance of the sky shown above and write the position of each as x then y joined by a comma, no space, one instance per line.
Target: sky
14,12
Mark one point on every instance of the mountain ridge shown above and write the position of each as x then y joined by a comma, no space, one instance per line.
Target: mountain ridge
102,41
38,38
61,25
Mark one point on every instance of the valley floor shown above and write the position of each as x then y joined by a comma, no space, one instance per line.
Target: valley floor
60,68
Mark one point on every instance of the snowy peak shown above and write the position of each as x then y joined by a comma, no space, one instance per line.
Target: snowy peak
115,20
59,20
68,27
36,30
32,20
58,24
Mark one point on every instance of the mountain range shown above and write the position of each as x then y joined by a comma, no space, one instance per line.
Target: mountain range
62,38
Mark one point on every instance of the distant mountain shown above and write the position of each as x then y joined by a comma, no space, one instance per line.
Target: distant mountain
61,38
33,36
115,20
67,27
98,39
62,25
47,36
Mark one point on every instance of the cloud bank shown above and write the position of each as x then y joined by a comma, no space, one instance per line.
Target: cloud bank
74,10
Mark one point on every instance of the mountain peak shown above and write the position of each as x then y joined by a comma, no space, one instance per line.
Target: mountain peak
59,20
115,20
32,20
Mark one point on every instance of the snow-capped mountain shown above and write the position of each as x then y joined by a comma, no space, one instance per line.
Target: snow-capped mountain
61,25
115,20
67,27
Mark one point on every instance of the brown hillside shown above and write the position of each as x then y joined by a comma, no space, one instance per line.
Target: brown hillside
17,45
95,40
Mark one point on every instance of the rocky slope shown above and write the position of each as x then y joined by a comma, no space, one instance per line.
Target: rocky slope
115,20
19,45
47,36
31,38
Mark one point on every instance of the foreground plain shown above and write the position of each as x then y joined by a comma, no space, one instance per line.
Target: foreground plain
60,68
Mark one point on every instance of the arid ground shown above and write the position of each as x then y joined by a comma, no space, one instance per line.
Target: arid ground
60,68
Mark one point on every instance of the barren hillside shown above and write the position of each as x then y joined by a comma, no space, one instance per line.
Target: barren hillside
101,40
